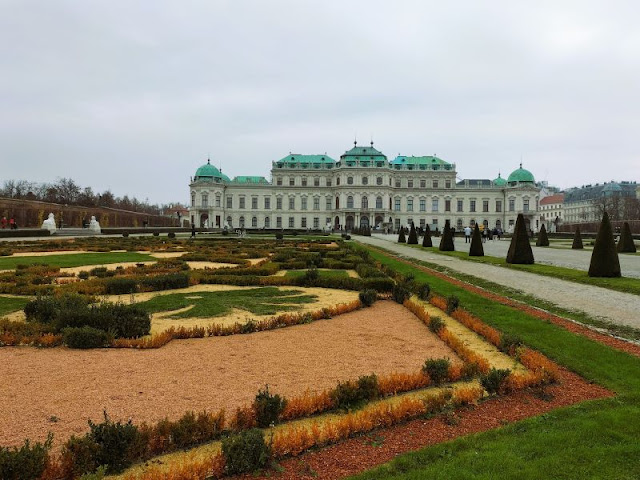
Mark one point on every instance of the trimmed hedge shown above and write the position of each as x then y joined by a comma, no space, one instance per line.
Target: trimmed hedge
85,337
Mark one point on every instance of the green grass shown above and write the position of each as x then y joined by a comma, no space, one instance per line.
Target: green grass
75,259
259,301
622,284
321,273
595,439
11,304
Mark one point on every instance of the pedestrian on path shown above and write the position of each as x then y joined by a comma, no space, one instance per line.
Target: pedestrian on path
467,234
4,222
12,223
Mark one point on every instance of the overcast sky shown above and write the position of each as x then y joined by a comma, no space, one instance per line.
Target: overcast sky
134,95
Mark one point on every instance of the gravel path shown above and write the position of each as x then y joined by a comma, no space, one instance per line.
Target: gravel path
616,307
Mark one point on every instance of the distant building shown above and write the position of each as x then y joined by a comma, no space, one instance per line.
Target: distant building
586,204
361,189
551,211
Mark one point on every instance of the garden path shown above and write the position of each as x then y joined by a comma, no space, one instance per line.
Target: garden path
616,307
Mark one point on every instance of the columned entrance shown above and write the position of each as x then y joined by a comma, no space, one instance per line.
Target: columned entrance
364,222
349,222
204,220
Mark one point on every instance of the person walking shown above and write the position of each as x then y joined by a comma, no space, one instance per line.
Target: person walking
467,234
485,235
12,223
4,222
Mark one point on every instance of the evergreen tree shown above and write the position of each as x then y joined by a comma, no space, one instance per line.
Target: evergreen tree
543,239
577,240
413,235
476,249
446,242
520,248
426,241
604,258
401,237
625,244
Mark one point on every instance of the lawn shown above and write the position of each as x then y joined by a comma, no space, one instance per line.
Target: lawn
259,301
590,440
75,260
11,304
622,284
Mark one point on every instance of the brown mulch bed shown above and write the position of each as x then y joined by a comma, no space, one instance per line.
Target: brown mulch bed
58,389
617,343
362,453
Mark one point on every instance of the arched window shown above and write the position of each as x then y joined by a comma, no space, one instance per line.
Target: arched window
379,181
349,201
365,180
229,221
337,203
193,199
267,222
349,180
241,222
365,202
254,222
378,202
205,200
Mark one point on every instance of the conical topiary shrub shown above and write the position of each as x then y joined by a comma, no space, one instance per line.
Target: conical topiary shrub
476,249
625,244
577,240
604,258
446,242
520,248
401,237
543,239
413,235
426,241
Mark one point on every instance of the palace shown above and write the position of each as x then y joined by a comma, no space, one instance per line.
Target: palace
363,188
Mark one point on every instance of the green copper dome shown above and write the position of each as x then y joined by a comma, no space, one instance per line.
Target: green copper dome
521,176
208,172
499,182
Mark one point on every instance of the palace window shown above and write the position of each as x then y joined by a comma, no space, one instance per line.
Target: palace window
423,205
292,203
365,180
525,205
328,203
304,181
229,201
254,222
485,205
498,205
218,201
349,180
365,202
279,181
278,222
316,222
316,182
241,203
267,222
410,183
292,182
316,203
193,199
328,182
241,222
397,183
512,204
378,202
435,184
409,204
291,222
254,203
459,206
447,205
396,206
349,201
472,205
278,203
267,203
423,183
304,203
205,200
304,222
434,205
379,181
423,222
459,224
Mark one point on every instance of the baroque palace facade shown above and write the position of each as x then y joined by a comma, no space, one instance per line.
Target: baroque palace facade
363,188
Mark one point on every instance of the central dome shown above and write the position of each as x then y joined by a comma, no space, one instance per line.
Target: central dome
209,172
521,176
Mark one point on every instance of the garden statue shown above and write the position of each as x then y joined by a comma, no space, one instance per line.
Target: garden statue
50,224
94,225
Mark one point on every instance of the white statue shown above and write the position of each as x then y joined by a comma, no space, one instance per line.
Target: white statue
50,223
94,225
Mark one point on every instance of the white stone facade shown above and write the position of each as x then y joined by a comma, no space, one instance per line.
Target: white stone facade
362,189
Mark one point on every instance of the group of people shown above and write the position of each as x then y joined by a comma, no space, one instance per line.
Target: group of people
11,222
486,232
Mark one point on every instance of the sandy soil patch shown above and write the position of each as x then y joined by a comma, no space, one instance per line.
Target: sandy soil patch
350,273
254,261
213,265
108,266
44,254
17,316
165,254
210,373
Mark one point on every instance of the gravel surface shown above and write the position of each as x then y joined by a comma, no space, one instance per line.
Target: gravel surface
617,307
58,389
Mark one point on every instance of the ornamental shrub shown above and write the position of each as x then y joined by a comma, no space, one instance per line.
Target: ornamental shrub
520,249
508,342
268,407
400,293
577,240
368,297
426,240
350,394
401,237
310,277
494,380
368,387
120,286
119,444
436,324
78,456
85,337
245,452
423,290
166,282
171,235
543,239
625,243
413,235
604,258
453,303
476,249
437,369
26,462
446,242
279,236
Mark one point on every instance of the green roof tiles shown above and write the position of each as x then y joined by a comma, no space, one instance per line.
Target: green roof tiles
244,179
521,175
297,158
208,172
364,152
499,182
425,160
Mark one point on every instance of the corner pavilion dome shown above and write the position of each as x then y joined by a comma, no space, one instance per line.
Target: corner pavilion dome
208,172
521,176
499,182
